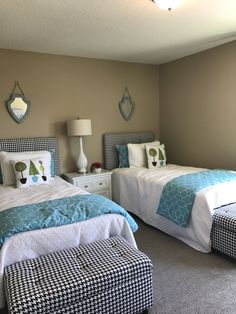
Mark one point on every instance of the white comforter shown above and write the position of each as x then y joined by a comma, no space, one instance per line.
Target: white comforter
139,190
31,244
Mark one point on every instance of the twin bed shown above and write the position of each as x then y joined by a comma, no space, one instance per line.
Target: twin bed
33,243
139,190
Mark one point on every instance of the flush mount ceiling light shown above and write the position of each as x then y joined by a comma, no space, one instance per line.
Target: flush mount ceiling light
168,5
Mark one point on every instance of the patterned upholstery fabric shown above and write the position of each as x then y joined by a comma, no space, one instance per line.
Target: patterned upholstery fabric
223,232
107,276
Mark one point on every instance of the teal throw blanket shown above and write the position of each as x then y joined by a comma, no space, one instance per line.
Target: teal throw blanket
56,213
178,195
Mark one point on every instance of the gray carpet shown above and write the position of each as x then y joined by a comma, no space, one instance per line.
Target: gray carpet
185,280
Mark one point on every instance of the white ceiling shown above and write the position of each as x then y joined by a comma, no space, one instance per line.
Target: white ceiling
123,30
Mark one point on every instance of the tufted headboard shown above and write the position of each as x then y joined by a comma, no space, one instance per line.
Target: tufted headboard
110,140
32,144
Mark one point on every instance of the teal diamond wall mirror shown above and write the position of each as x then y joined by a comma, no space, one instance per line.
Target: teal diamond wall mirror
18,105
127,105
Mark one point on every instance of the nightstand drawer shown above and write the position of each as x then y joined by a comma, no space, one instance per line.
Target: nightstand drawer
101,184
96,185
87,186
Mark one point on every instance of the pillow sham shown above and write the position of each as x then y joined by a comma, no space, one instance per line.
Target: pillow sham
123,156
8,175
31,172
137,154
156,156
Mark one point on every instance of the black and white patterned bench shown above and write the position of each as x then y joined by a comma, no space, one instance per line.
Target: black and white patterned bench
107,276
223,232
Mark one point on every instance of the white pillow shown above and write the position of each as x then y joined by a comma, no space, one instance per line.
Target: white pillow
31,172
156,156
8,175
137,154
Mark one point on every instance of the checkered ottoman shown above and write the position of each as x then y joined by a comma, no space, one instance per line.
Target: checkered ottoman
223,232
107,276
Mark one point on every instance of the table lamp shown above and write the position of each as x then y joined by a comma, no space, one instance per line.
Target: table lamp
80,127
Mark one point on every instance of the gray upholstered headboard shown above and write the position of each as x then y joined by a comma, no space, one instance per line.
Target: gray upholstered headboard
110,140
32,144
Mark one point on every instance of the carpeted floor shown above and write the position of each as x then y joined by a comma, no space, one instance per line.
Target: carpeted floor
187,281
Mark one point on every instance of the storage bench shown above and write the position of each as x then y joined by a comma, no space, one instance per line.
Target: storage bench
107,276
223,232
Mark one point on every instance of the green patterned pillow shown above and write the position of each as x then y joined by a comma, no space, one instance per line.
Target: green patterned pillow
31,172
123,156
156,156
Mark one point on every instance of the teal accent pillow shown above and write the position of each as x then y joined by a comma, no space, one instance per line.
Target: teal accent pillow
123,156
52,152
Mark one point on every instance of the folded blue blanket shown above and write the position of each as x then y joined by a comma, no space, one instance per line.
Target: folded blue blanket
57,213
178,195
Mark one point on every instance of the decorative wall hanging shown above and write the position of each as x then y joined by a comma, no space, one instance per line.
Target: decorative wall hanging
18,105
126,105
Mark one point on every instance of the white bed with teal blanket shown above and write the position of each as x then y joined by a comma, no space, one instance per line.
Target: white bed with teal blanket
162,196
44,218
147,193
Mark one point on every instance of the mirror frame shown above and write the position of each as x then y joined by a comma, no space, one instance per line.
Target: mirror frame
126,98
11,112
127,115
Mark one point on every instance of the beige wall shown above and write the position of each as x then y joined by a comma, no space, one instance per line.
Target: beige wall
63,88
198,108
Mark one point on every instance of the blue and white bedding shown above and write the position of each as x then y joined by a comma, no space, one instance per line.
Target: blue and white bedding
139,190
31,244
178,195
58,212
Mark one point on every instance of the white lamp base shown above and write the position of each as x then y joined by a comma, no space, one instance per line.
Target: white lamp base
82,161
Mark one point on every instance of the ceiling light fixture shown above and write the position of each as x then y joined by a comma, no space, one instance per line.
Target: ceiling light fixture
168,5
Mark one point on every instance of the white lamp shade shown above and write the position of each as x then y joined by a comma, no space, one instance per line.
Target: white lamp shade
79,127
168,4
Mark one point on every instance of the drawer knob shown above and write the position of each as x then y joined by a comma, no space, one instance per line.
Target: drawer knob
100,183
86,186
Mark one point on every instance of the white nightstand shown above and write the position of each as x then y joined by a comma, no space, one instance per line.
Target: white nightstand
99,183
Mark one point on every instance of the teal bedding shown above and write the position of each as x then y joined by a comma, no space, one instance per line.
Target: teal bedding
179,194
57,213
